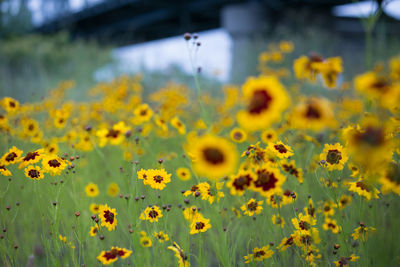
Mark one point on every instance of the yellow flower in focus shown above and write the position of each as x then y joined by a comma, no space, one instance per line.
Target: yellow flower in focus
34,172
199,225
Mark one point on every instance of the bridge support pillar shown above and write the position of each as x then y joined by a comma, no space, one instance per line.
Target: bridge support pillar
245,23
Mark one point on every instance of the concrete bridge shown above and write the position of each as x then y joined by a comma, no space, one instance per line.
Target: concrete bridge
123,22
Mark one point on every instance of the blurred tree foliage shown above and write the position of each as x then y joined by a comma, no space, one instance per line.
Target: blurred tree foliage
31,65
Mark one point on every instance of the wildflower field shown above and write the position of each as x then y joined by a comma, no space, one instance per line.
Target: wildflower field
295,167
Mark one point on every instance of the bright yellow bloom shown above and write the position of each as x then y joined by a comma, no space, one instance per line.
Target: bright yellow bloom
333,157
108,217
266,100
157,179
53,165
94,230
180,254
259,254
252,207
91,190
11,157
214,157
199,225
151,214
34,172
183,174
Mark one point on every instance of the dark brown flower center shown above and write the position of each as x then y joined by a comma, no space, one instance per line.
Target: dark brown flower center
34,174
158,178
280,148
242,182
213,156
109,216
252,206
237,135
312,112
363,186
153,214
30,156
259,254
266,180
11,156
259,102
54,163
113,133
199,225
333,156
304,225
291,170
371,136
109,255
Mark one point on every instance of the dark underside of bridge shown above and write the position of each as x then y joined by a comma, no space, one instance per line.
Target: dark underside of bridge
122,22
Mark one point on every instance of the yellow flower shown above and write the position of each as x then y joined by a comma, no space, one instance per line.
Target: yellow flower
280,150
62,238
268,136
143,113
53,165
269,180
344,201
10,104
34,172
329,208
259,254
12,156
157,179
238,135
199,225
180,254
108,257
214,157
145,241
178,125
238,183
91,190
183,174
94,208
151,214
333,157
191,213
362,232
364,188
290,167
331,224
372,84
314,114
31,158
285,243
108,217
4,171
161,237
266,100
113,189
94,230
344,261
252,207
278,220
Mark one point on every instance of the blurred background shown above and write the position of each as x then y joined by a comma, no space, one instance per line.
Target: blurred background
44,42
